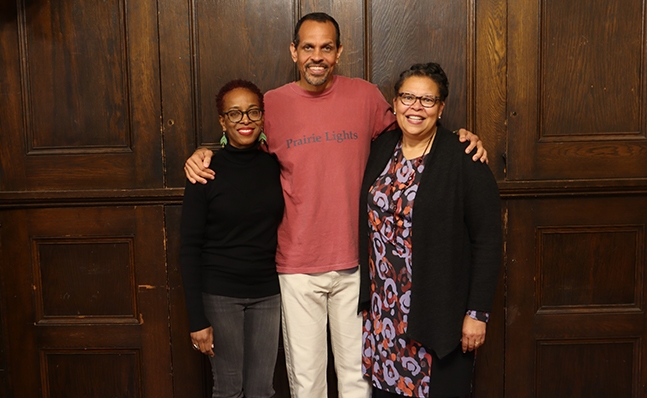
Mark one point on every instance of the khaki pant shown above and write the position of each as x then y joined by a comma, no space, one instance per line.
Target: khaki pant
309,302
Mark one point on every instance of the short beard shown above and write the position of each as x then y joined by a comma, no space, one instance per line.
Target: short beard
320,81
316,81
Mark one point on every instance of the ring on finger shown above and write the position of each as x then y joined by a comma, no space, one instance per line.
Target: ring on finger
195,346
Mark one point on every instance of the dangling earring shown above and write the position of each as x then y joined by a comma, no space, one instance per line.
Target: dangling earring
223,139
262,137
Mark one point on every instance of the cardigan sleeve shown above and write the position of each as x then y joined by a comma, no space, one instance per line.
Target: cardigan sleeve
483,221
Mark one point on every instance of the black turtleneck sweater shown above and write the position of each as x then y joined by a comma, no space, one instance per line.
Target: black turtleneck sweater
228,230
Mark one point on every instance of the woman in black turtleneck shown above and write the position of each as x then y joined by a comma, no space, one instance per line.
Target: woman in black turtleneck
228,233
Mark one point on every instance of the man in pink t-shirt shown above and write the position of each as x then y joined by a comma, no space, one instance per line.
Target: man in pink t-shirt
320,128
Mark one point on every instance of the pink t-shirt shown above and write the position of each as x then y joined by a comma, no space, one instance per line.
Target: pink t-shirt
322,141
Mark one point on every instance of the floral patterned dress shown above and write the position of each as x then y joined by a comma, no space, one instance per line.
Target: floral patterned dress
393,363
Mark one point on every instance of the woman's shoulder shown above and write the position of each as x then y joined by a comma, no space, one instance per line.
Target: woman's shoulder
385,142
388,136
448,141
446,134
269,159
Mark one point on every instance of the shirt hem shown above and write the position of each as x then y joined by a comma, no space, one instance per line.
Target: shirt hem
316,270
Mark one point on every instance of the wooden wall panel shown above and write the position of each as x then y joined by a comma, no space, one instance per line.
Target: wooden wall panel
589,266
576,291
490,81
91,291
177,83
92,373
577,90
66,98
83,94
614,365
247,49
84,276
101,103
600,95
425,31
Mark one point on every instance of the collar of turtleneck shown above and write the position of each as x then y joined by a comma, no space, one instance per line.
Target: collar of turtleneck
242,155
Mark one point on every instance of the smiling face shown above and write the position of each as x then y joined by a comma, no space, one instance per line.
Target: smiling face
244,133
316,54
417,122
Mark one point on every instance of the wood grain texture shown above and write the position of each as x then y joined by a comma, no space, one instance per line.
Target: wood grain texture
101,103
351,17
137,324
490,81
404,33
232,40
177,66
83,97
578,284
576,90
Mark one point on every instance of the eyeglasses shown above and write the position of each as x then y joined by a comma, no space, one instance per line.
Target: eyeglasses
427,101
236,115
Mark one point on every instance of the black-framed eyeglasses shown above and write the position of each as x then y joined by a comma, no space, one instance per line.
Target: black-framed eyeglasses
235,115
427,101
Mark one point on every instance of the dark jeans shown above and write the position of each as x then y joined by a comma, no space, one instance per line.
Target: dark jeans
245,339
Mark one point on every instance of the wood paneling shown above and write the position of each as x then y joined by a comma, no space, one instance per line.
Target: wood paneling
81,94
490,81
90,300
101,103
92,373
65,98
577,90
610,377
425,31
88,277
596,60
589,266
576,291
177,82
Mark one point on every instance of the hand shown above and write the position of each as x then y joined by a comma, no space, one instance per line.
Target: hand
203,339
196,168
473,334
475,142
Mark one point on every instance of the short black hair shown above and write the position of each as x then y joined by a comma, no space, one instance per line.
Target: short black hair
234,84
431,70
317,17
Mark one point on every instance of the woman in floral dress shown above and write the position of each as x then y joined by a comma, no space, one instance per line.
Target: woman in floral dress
428,280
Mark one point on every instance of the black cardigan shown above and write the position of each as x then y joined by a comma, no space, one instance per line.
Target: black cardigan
456,239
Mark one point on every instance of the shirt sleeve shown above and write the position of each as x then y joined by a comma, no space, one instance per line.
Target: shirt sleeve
479,315
384,119
192,232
